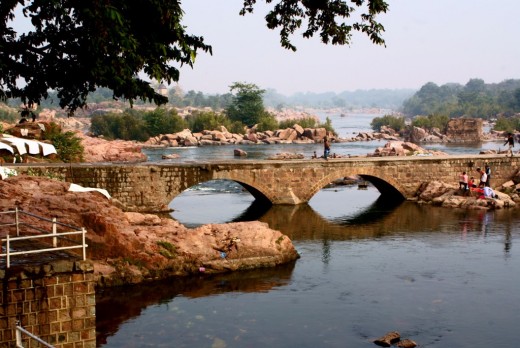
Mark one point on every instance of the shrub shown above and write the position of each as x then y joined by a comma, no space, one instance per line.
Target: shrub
162,121
306,122
68,146
199,121
394,122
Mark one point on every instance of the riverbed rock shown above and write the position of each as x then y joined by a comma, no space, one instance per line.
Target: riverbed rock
102,150
449,196
133,247
286,156
239,153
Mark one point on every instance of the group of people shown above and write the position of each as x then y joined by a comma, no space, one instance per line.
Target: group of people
468,184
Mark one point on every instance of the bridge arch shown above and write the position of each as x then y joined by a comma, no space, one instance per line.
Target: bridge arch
386,185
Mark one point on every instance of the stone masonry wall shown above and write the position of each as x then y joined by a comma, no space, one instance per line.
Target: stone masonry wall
55,302
464,130
151,187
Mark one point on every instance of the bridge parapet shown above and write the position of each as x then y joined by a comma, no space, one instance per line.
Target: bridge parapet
152,186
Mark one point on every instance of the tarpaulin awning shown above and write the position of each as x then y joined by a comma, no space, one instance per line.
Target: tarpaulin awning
23,146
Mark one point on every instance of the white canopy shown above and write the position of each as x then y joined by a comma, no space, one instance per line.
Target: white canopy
23,146
4,146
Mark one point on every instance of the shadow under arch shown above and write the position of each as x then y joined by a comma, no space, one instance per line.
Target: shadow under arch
388,191
212,191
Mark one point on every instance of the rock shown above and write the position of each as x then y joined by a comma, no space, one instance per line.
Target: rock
418,134
239,153
286,156
433,189
171,156
388,339
30,130
299,130
406,343
308,133
162,247
319,134
190,141
252,137
101,150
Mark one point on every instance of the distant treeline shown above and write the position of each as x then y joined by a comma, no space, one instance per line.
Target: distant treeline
381,98
475,99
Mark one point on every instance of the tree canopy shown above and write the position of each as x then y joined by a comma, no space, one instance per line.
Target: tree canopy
73,47
475,99
247,105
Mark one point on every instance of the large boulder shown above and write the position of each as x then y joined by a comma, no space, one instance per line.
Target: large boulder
418,134
162,247
101,150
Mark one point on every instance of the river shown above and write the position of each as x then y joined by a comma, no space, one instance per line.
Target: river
441,277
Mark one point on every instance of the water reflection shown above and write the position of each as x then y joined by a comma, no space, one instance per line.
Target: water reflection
363,261
115,306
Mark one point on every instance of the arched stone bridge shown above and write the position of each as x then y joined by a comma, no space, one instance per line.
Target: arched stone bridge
152,186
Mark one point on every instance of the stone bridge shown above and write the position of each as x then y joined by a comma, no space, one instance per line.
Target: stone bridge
152,186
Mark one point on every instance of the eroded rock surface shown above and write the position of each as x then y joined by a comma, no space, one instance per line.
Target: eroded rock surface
134,247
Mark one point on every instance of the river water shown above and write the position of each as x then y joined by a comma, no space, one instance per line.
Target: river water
441,277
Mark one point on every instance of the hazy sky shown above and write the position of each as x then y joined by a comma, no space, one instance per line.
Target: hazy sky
436,41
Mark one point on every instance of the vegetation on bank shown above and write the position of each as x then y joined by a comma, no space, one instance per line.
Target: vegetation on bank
398,123
476,99
245,110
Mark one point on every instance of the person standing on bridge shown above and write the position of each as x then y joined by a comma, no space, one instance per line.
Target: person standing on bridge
326,148
511,142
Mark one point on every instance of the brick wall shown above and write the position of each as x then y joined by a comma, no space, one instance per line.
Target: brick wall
55,302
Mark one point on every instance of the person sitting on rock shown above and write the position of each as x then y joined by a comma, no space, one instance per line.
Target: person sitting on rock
488,192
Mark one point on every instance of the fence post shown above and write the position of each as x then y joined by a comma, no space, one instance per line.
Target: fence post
7,248
54,239
83,232
17,221
18,336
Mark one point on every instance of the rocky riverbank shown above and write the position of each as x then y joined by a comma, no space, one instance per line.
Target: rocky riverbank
132,247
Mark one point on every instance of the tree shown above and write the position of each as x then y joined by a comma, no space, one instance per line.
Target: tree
161,121
322,17
247,106
76,46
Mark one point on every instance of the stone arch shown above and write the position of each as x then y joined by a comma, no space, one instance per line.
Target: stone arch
387,185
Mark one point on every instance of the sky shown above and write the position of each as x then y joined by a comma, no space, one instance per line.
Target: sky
439,41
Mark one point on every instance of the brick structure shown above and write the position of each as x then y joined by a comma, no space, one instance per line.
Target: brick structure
151,187
464,130
55,302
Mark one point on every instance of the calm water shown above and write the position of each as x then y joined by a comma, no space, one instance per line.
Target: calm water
442,277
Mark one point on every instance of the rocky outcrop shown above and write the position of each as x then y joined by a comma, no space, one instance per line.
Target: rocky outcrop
30,130
448,195
133,247
402,148
295,134
102,150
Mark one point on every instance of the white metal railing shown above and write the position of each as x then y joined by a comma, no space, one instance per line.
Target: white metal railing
20,330
53,234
